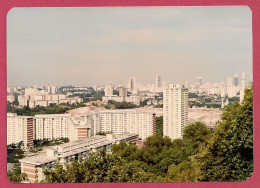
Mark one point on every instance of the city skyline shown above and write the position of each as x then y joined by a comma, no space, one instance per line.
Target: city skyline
119,84
63,46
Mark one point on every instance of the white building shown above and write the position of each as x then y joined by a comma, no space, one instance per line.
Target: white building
19,128
53,126
175,111
124,121
242,86
108,90
52,89
10,98
45,126
33,97
135,99
231,89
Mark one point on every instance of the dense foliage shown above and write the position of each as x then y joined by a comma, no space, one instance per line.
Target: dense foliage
111,104
159,125
52,109
16,176
100,167
230,156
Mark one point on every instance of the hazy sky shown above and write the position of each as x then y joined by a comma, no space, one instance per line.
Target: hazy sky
85,46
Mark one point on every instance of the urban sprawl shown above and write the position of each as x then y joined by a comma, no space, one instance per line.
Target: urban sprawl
110,114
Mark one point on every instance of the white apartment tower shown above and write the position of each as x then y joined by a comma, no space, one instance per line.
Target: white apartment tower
242,86
19,128
175,111
231,88
108,90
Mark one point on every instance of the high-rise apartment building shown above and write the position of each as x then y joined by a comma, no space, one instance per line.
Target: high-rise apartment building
124,121
51,89
45,126
231,88
19,129
108,91
175,111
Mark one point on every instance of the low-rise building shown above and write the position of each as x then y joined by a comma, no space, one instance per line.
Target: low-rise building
34,166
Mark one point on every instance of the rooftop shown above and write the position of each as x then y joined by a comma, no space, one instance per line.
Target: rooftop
38,159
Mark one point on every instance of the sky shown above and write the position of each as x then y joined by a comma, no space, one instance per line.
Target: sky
94,45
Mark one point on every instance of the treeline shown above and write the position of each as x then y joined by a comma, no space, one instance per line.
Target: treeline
111,104
52,109
224,154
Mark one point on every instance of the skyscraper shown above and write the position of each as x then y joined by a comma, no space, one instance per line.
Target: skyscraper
199,80
242,86
157,81
235,80
175,110
236,83
243,80
132,83
231,88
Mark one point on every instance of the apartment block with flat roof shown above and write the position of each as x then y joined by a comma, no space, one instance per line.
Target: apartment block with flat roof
65,153
175,111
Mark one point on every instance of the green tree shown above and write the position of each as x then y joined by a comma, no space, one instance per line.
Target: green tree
98,167
159,125
16,176
197,135
230,156
186,171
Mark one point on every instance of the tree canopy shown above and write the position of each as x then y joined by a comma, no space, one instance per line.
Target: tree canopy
230,155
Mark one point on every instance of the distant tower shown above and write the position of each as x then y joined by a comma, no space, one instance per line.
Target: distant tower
199,80
242,86
132,83
231,88
243,80
122,92
235,80
175,111
157,81
186,84
109,90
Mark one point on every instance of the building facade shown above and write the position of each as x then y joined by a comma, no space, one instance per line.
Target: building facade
46,126
122,122
20,129
175,111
